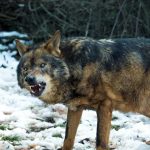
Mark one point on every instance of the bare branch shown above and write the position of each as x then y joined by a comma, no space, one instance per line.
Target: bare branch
88,24
117,17
137,20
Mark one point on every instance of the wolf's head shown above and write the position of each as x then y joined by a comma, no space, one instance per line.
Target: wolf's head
42,70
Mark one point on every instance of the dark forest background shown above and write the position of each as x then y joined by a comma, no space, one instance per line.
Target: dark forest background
92,18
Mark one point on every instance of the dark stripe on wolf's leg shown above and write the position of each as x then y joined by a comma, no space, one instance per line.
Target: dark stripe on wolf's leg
104,115
73,119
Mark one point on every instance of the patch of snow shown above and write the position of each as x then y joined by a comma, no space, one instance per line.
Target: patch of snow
12,33
3,47
4,145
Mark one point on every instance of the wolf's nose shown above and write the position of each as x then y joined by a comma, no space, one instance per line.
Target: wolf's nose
30,80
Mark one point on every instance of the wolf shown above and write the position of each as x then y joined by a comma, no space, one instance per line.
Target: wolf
84,73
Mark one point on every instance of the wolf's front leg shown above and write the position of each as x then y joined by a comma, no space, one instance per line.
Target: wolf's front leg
73,119
74,103
104,115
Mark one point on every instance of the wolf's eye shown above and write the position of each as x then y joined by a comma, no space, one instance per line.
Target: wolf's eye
25,68
42,65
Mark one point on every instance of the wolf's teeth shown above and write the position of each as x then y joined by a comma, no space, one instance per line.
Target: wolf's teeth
32,89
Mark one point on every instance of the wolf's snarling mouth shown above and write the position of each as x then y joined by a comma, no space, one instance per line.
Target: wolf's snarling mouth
37,89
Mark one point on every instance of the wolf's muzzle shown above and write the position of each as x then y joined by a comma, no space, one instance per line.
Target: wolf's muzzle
30,80
36,88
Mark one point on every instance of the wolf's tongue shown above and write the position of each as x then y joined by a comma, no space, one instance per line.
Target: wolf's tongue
35,88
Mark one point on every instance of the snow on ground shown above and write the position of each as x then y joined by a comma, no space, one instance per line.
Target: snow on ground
26,123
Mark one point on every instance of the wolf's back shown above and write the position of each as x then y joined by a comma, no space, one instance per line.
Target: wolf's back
111,54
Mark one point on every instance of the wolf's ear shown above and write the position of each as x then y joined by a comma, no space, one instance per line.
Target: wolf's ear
53,44
21,47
